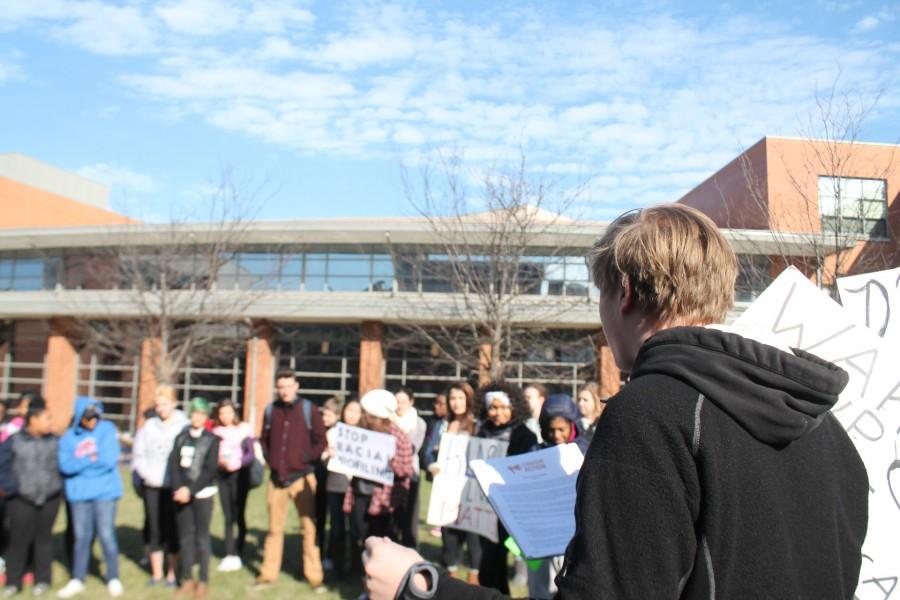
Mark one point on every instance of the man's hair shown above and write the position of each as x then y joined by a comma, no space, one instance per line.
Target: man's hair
681,268
538,387
333,404
36,407
285,374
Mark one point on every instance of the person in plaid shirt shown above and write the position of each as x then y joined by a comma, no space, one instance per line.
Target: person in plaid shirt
371,505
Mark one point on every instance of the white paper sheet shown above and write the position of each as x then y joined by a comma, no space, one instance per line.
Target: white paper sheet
534,496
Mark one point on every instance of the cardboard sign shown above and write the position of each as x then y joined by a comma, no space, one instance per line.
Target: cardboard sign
457,501
363,453
793,312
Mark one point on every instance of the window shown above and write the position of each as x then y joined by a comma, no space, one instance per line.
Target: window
853,206
28,274
753,276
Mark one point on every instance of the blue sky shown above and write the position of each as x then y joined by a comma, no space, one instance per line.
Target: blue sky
321,103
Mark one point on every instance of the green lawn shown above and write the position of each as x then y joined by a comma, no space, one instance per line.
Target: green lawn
222,585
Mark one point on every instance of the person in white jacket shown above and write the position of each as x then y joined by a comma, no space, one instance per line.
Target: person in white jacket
408,419
152,446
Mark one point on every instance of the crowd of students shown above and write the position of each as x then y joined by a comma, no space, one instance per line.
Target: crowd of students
181,462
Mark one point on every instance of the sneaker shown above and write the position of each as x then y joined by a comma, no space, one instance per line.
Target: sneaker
261,584
40,589
114,587
9,591
320,589
73,588
230,563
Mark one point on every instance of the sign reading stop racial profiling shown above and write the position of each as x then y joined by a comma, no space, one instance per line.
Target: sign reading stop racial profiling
793,312
457,501
363,453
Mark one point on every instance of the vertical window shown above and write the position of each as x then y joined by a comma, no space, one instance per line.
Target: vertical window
853,206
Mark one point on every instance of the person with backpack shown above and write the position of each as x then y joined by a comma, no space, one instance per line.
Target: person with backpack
293,439
89,461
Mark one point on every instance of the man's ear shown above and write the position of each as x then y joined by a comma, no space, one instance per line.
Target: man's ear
626,301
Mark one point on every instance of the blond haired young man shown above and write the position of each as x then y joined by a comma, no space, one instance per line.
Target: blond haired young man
718,470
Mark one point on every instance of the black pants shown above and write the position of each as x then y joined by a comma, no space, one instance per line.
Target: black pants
193,532
366,524
337,532
4,533
233,490
33,526
494,572
408,518
321,504
160,511
452,552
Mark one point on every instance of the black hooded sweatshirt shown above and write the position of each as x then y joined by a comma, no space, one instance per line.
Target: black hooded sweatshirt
717,472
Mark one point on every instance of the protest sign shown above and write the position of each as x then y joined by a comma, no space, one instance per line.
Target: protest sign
363,453
534,495
873,299
793,312
457,501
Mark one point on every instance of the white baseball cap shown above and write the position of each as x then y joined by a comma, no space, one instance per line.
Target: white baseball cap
379,403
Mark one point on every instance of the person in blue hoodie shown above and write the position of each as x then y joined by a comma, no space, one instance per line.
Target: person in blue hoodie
89,462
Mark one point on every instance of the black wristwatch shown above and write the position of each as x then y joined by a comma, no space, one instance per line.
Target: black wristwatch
408,587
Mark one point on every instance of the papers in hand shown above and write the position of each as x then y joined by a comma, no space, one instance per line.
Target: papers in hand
534,496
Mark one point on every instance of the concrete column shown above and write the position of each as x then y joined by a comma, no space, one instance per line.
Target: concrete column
608,375
259,374
149,380
485,350
61,376
371,356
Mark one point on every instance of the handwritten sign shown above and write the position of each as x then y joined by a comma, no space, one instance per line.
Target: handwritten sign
457,501
363,453
873,299
794,312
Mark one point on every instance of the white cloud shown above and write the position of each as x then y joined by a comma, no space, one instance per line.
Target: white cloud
122,181
653,103
866,23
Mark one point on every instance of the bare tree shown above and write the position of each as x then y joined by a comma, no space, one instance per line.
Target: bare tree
498,255
180,281
823,214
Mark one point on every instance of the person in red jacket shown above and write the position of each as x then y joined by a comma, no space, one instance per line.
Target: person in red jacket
292,439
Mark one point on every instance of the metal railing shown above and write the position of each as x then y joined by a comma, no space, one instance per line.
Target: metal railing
116,385
195,380
21,375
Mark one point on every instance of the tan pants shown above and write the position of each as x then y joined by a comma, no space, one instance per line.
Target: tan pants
303,494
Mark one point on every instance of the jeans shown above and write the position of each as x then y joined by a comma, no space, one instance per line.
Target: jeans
30,524
95,517
193,531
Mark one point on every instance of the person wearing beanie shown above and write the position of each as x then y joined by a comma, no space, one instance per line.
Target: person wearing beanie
372,505
193,467
89,462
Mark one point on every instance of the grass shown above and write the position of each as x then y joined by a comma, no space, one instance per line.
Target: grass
235,584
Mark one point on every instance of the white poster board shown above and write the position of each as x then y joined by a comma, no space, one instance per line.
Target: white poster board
873,299
794,312
534,496
456,500
363,453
